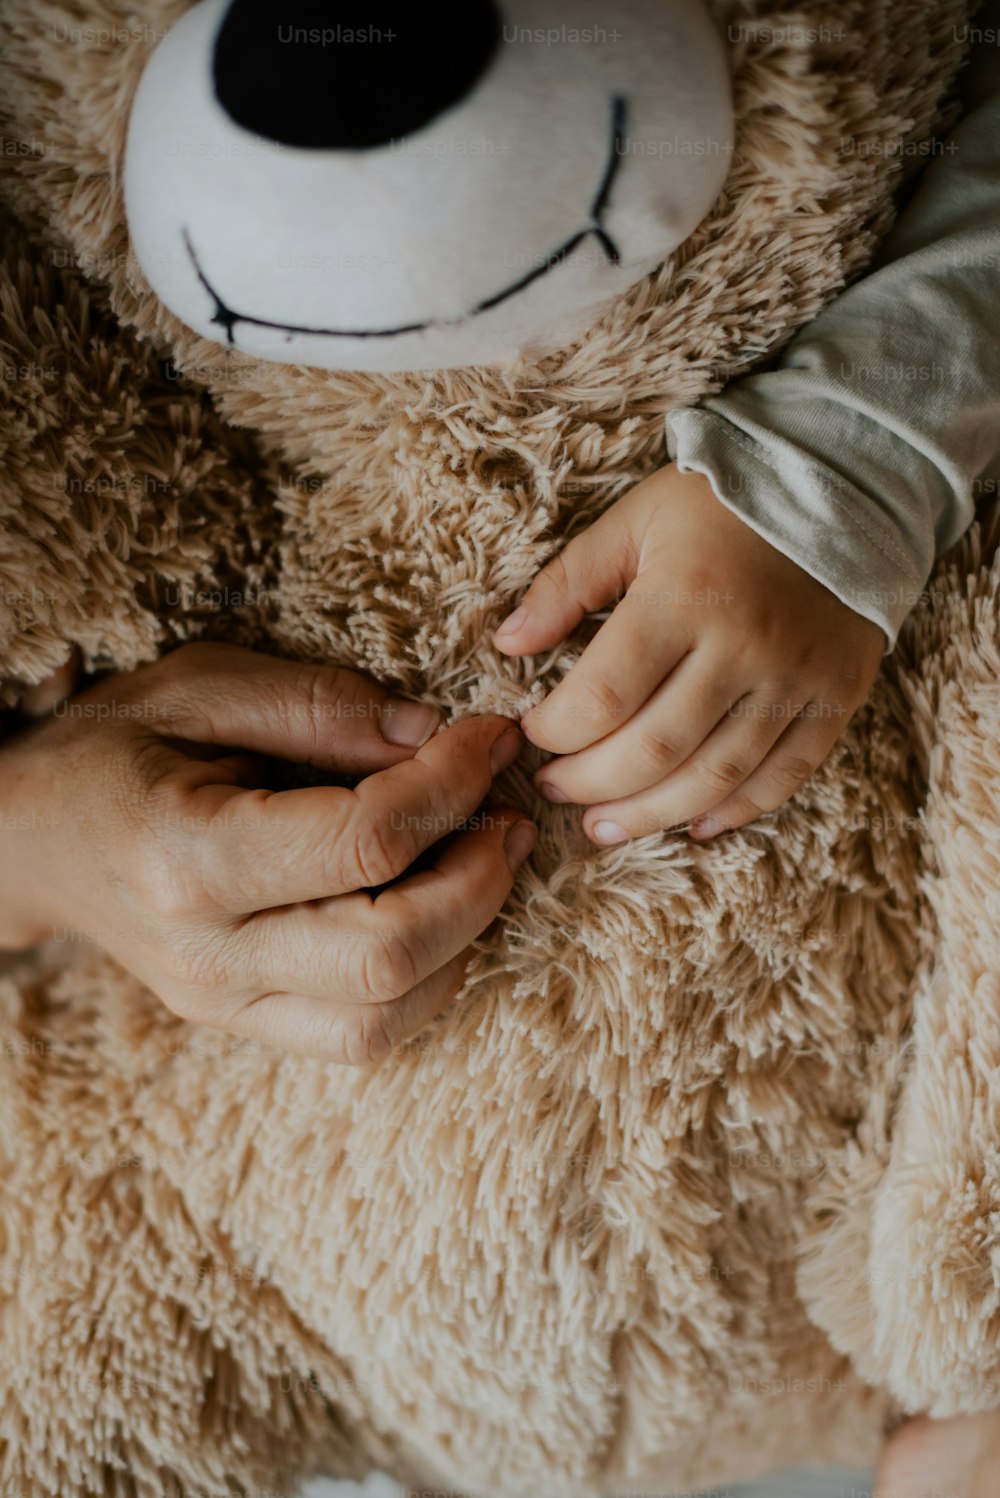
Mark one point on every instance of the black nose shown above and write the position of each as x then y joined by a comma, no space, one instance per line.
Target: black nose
350,75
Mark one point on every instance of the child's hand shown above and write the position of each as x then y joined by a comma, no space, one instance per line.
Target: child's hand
140,817
719,684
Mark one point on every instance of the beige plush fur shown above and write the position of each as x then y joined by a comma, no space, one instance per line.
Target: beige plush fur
700,1176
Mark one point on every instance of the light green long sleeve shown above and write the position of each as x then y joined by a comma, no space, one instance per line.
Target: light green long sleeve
859,454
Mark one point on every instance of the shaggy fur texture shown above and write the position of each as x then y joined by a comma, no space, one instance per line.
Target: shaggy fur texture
700,1175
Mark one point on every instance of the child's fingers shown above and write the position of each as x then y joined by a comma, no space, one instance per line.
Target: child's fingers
716,774
665,731
594,568
618,672
796,756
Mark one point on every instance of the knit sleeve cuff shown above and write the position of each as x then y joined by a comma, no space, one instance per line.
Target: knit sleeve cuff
806,511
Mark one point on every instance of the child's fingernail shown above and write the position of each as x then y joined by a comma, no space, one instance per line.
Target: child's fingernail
609,832
408,724
518,844
705,827
511,625
550,792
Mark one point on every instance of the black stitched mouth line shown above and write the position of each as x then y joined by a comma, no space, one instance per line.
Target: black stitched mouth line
226,318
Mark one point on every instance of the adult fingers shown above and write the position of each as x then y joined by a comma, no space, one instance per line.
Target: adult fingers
408,929
727,758
661,735
361,949
264,849
796,756
326,716
619,670
345,1033
593,568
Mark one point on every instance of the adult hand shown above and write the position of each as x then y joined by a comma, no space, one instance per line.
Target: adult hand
139,815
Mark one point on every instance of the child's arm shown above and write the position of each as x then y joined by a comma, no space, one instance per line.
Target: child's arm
858,455
762,583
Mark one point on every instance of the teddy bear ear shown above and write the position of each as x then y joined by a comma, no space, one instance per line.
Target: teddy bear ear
402,186
333,94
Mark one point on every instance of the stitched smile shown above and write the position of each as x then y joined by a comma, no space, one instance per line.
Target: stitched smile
227,318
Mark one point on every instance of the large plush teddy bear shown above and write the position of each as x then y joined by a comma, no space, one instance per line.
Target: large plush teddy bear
700,1176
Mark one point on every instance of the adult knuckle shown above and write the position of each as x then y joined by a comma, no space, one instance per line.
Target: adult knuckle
381,848
328,692
360,1039
301,708
377,1033
387,967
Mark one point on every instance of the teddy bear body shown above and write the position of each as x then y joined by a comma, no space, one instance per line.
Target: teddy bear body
699,1177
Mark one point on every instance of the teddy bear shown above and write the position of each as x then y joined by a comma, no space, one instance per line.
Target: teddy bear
708,1142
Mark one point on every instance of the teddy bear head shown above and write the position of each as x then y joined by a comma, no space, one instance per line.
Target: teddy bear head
410,187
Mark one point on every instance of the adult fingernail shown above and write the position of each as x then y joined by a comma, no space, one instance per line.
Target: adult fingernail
505,751
512,623
609,832
550,792
518,844
408,724
705,827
